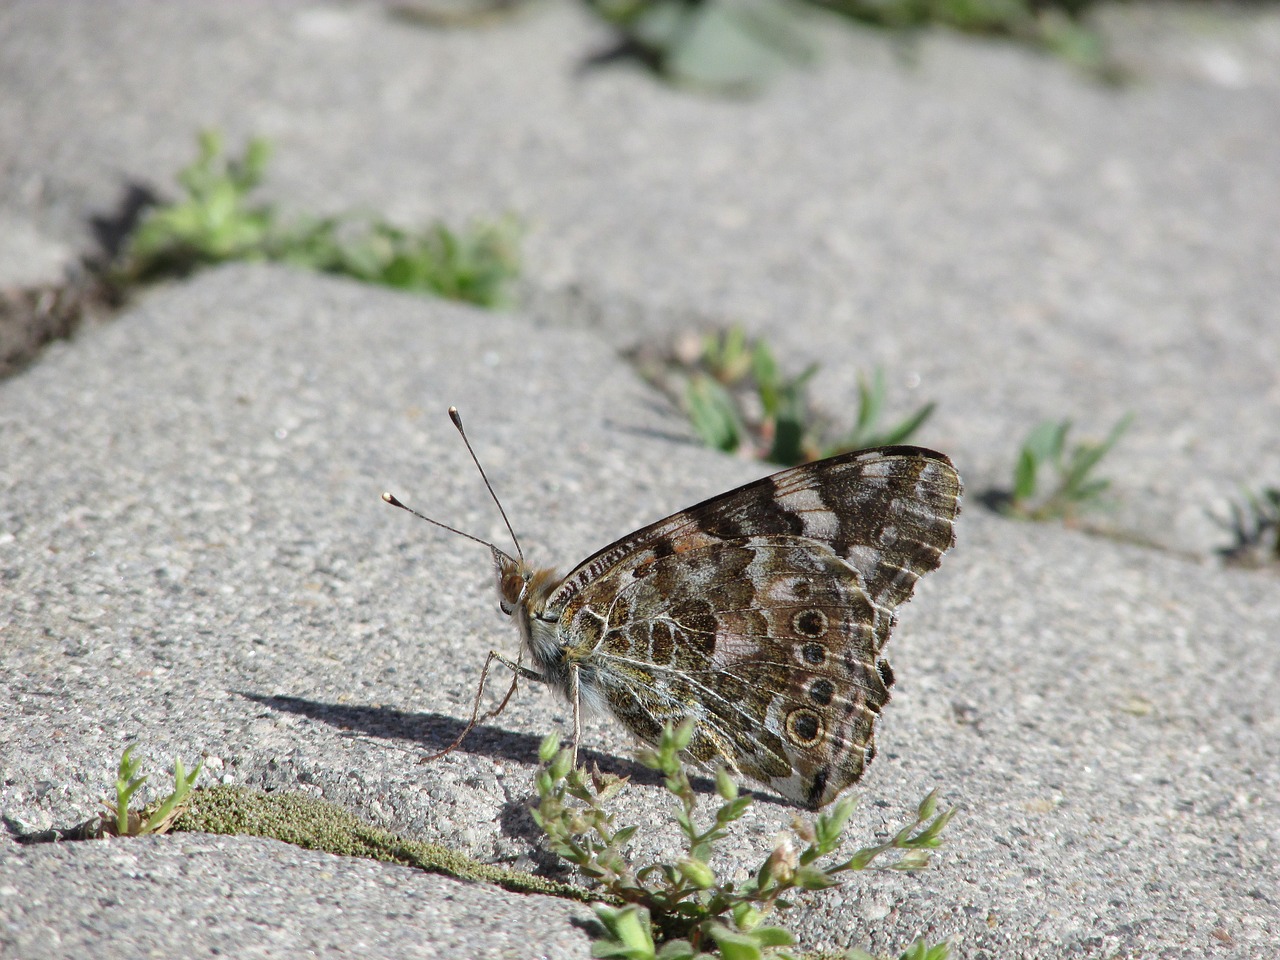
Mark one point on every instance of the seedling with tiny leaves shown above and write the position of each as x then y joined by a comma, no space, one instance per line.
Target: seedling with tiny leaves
475,266
1254,524
681,909
871,396
217,222
737,396
1075,487
120,821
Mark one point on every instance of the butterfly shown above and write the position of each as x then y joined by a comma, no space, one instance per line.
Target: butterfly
760,615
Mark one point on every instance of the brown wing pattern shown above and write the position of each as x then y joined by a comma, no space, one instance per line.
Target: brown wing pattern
761,614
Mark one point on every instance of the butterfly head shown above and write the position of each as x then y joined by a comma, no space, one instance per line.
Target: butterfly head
523,595
520,585
512,580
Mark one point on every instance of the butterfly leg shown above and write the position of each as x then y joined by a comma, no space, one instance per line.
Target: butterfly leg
576,699
518,670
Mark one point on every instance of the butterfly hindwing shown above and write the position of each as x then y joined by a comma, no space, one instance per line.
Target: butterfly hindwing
761,614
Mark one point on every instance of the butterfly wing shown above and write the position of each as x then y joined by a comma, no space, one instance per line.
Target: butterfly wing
761,614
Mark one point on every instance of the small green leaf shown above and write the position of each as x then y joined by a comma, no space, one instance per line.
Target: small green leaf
746,915
928,806
712,413
628,929
254,166
162,819
772,937
561,764
734,809
1046,441
728,47
905,428
1024,476
127,784
549,747
870,399
680,737
931,834
1047,445
920,950
734,945
910,861
726,356
865,434
769,386
1081,492
697,873
814,878
677,950
788,441
726,786
829,826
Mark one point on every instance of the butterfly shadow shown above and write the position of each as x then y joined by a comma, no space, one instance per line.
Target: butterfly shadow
436,731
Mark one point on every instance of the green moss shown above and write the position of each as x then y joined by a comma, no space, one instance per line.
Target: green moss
319,825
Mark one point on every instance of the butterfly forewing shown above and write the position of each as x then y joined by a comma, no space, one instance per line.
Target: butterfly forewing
761,613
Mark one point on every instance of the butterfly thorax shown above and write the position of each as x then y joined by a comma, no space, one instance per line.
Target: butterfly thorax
523,593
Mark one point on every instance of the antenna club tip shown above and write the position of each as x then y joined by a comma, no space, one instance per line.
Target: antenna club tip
389,498
456,417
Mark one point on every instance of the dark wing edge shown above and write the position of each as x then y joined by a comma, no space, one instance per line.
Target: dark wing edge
866,527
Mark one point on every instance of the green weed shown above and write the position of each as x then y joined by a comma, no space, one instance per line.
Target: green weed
217,221
681,909
1254,524
475,266
737,396
120,821
737,46
1075,487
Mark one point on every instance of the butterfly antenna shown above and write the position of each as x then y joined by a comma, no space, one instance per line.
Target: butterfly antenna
391,499
457,422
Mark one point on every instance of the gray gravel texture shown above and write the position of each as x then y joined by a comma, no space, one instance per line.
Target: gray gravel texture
249,897
193,554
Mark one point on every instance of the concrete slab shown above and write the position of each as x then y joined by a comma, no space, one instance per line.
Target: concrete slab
200,895
982,209
198,560
194,555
